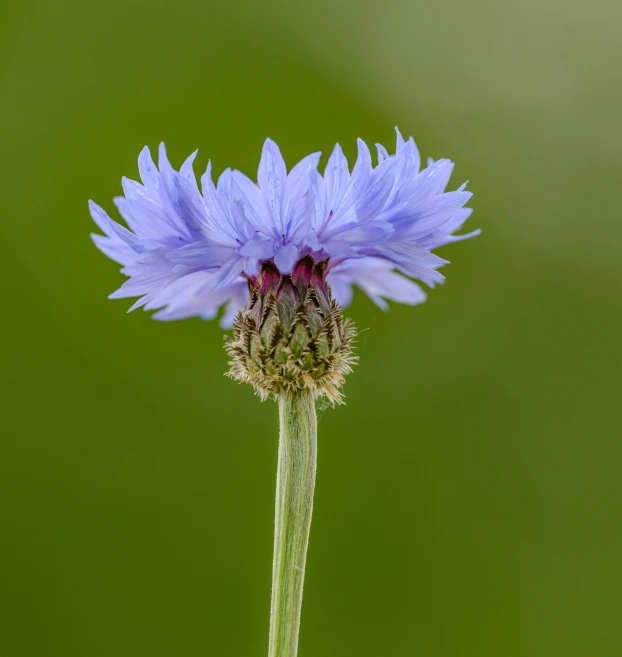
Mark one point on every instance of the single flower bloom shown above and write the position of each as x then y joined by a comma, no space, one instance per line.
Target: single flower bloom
283,255
188,252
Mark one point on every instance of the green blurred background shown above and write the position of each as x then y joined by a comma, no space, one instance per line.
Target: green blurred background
469,498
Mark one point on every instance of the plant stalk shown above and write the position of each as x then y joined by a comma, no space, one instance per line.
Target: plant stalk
294,505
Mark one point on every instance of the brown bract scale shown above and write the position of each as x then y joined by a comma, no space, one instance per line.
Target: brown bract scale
292,335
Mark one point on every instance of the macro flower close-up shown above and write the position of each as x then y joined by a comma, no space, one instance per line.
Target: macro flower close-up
282,255
377,413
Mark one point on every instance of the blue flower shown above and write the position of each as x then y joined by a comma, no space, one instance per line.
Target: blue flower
189,252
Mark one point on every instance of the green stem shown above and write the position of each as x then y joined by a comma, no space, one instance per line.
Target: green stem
294,504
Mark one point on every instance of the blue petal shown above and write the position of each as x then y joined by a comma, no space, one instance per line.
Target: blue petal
271,177
259,248
110,227
148,170
366,235
201,254
286,257
336,178
228,273
298,199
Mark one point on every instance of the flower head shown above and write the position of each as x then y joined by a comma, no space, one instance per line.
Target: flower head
189,252
292,335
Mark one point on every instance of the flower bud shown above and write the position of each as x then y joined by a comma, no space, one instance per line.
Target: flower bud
292,335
